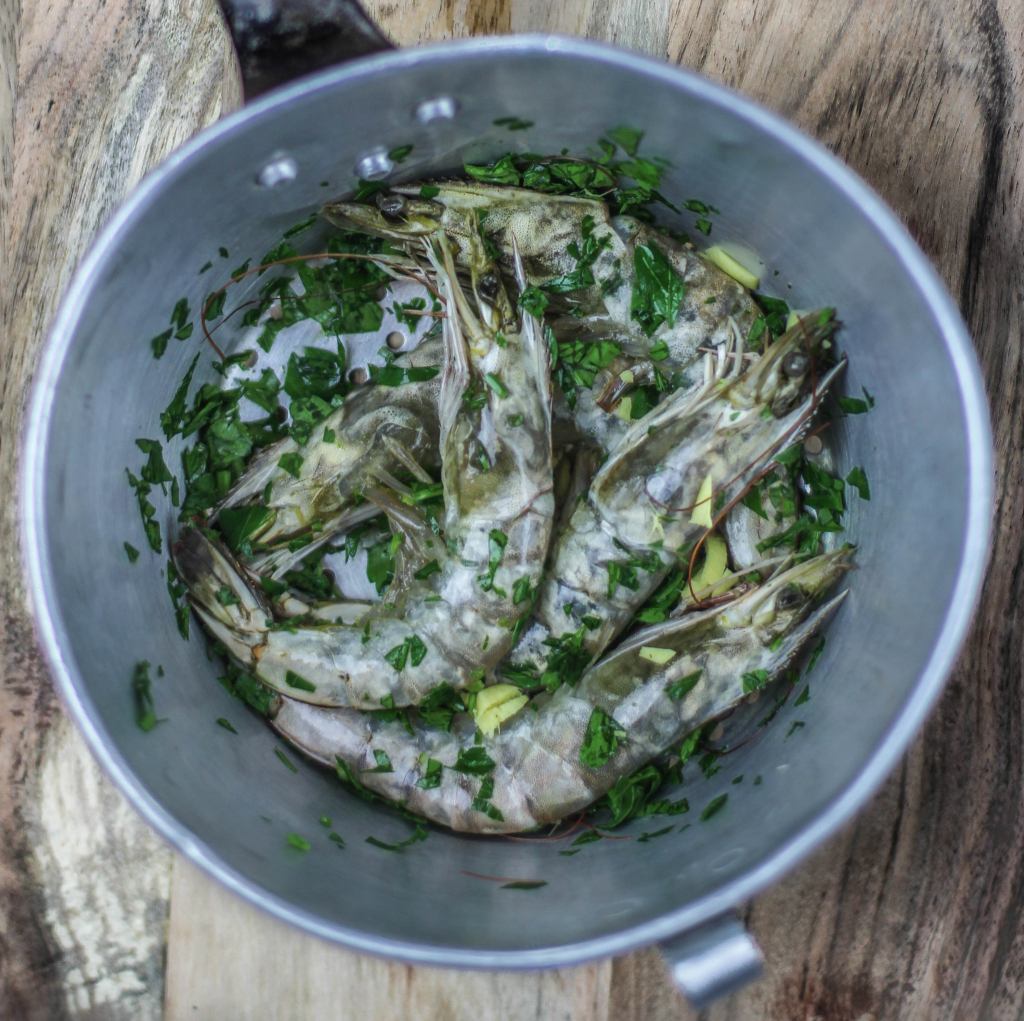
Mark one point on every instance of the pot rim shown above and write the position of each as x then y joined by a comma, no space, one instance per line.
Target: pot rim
958,616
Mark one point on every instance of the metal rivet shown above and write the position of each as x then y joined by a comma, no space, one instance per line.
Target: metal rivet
395,340
278,171
443,108
813,445
376,165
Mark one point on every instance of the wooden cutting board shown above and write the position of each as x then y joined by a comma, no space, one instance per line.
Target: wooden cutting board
913,911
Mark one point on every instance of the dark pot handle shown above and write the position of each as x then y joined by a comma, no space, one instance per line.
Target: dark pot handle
278,40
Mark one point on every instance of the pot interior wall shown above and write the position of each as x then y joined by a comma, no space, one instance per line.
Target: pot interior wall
231,793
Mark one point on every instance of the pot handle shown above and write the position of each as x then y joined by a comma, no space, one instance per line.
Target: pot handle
278,40
712,960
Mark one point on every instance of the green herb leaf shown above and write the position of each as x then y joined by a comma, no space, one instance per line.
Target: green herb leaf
474,761
754,680
284,758
714,806
678,690
644,837
431,775
226,724
291,463
159,343
513,123
659,352
601,739
804,695
533,300
501,172
133,553
429,191
419,834
859,481
293,680
145,710
299,228
383,763
628,138
496,385
793,728
245,688
299,843
658,290
240,523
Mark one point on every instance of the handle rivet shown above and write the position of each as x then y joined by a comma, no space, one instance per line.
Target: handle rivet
443,108
278,171
375,166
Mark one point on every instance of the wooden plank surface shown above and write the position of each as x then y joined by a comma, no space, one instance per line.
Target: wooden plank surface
914,910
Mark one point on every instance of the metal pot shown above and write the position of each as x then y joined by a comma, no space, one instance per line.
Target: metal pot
923,538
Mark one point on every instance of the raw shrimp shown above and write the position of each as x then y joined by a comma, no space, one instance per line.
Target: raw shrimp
457,602
543,765
332,473
557,236
377,431
640,509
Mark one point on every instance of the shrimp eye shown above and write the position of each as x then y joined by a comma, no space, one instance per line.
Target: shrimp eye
391,205
488,287
795,364
787,599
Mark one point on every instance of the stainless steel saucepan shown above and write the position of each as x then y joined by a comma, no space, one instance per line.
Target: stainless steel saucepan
922,539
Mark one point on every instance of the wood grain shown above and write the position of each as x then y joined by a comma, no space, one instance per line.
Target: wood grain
913,911
263,968
90,98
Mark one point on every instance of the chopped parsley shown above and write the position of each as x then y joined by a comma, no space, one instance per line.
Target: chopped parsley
299,843
754,680
601,739
496,543
419,834
658,290
293,680
133,553
714,806
793,728
533,300
177,590
145,709
439,705
585,254
856,406
482,801
678,690
474,761
859,481
579,362
291,463
413,649
383,763
246,688
284,758
226,724
644,837
431,775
